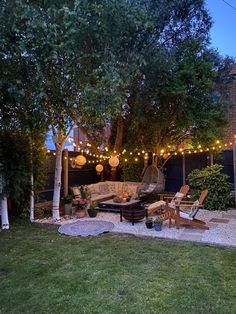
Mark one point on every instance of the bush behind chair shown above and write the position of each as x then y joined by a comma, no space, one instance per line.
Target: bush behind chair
216,182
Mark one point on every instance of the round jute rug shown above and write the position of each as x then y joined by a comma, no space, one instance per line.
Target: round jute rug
86,228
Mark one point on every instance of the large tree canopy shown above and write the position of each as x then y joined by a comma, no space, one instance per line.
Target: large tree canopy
147,60
177,96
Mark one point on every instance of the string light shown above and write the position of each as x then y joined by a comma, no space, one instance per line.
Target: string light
103,157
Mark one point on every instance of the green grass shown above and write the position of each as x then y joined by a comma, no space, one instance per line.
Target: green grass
42,271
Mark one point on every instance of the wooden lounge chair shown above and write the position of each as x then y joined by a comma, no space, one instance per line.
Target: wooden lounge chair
184,213
168,197
174,200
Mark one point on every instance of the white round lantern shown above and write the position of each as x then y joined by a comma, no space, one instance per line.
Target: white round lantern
99,168
80,161
113,162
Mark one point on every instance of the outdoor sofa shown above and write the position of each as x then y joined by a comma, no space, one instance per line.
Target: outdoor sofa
102,191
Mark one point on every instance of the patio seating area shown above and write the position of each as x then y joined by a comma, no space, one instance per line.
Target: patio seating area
222,227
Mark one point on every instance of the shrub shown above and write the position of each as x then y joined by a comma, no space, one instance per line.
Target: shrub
18,159
216,182
131,171
68,199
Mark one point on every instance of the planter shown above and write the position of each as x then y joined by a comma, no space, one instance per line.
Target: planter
67,208
158,226
134,213
149,224
92,212
80,213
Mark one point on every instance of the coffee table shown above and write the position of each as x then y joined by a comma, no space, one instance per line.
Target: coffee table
121,207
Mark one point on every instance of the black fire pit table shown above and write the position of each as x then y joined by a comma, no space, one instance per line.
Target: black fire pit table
129,210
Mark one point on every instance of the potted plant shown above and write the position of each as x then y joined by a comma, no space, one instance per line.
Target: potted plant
92,211
81,208
67,200
149,223
158,224
84,192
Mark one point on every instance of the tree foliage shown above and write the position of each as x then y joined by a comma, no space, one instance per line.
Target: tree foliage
216,182
177,96
17,159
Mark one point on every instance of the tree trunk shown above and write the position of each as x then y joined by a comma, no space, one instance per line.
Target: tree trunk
119,134
31,183
32,198
4,214
57,183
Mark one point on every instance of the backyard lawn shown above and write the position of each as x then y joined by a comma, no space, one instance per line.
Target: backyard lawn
42,271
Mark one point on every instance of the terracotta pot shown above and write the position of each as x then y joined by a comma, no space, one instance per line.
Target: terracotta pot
80,213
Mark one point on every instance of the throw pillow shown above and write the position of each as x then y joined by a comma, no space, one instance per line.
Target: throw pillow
177,198
76,191
104,189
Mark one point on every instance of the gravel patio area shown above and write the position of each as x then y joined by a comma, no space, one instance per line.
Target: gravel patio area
222,227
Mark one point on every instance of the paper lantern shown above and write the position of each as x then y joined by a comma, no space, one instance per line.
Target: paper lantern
80,161
99,168
113,162
165,156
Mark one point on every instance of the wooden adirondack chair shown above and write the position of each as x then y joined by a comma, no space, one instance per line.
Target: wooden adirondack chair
186,217
175,199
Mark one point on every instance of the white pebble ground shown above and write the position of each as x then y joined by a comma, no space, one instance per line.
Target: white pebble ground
219,233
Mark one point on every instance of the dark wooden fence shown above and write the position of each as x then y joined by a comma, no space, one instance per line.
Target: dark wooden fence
86,175
173,171
174,167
